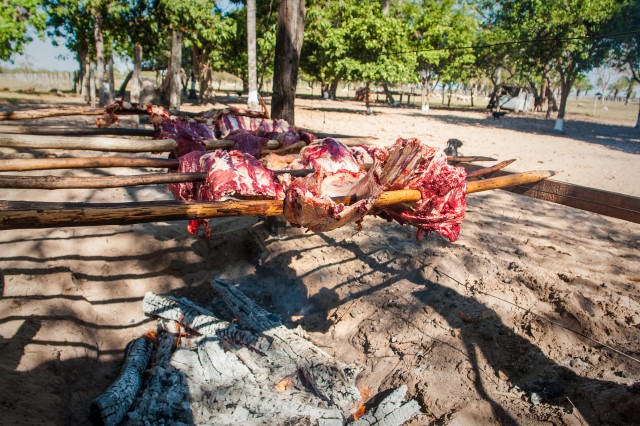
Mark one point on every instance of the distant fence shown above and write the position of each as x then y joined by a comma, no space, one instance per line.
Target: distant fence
37,81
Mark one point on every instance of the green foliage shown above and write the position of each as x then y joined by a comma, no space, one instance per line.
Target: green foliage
354,41
231,54
627,48
443,29
571,24
16,17
582,83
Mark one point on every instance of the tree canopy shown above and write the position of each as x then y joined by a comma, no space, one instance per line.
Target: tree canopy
16,18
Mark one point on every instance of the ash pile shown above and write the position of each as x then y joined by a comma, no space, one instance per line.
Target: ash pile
197,368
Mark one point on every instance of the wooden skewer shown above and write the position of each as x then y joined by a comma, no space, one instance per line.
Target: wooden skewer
469,159
509,180
488,170
96,182
73,182
25,164
49,112
105,144
76,131
22,215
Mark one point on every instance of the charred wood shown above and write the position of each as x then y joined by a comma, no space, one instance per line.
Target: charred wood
111,407
331,379
198,319
391,411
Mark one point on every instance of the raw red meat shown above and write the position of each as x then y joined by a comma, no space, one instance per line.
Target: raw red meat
367,154
236,174
233,174
247,142
188,163
330,156
407,165
191,130
413,165
309,203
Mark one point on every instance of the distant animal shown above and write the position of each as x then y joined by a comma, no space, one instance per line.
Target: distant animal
452,147
497,114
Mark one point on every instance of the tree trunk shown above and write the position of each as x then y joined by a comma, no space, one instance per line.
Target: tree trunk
82,73
252,100
86,84
388,93
136,83
638,121
289,36
385,7
473,90
333,89
195,74
426,94
111,79
367,100
566,82
174,70
100,74
450,94
543,96
92,86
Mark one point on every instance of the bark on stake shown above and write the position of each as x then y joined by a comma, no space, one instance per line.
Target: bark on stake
105,144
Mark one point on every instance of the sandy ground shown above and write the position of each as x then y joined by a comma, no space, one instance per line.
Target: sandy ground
531,317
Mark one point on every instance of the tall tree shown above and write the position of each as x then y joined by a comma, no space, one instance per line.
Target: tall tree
71,21
355,41
289,36
582,84
442,29
570,33
627,48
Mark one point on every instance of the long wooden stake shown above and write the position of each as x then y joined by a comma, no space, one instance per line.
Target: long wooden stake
488,170
24,215
510,180
49,112
73,182
26,164
77,130
105,144
469,159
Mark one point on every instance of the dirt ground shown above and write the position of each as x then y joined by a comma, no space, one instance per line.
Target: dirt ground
531,317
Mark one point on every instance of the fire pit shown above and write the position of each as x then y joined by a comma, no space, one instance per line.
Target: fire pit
250,371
